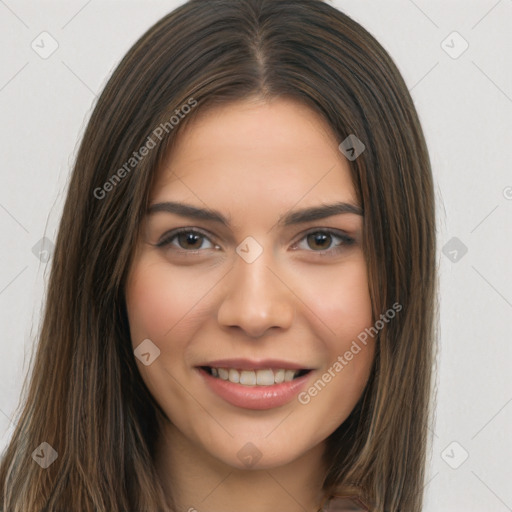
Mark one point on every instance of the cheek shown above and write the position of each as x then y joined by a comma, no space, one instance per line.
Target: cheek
344,306
150,304
162,303
341,299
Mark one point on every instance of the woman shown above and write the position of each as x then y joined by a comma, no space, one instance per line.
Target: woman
240,312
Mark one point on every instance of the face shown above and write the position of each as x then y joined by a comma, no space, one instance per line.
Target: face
247,291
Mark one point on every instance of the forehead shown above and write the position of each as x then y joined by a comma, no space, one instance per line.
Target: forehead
254,152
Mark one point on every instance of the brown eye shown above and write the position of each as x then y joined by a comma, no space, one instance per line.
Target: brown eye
190,240
319,241
186,240
325,242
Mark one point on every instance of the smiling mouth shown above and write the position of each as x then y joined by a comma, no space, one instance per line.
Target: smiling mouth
264,377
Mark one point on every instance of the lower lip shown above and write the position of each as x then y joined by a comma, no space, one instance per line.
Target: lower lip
255,397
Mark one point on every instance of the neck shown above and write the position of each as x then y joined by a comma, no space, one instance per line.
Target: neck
199,482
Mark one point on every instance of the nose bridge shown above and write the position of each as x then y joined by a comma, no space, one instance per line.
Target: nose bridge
255,300
255,279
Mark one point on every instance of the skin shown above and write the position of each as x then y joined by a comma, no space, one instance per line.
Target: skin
253,161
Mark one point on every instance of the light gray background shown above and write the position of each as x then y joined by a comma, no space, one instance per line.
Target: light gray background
465,105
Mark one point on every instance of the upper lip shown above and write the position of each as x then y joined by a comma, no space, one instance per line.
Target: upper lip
247,364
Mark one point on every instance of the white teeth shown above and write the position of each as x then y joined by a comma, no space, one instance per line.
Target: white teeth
288,375
267,377
234,376
248,378
264,377
279,376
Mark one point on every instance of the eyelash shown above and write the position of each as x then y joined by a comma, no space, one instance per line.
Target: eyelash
345,240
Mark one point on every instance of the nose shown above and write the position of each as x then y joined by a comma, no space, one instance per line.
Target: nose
255,299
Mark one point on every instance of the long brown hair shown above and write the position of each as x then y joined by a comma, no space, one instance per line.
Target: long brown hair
86,398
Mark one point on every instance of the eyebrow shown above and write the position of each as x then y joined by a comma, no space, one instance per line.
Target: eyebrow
288,219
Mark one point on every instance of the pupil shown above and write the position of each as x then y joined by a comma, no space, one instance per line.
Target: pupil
190,240
319,239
